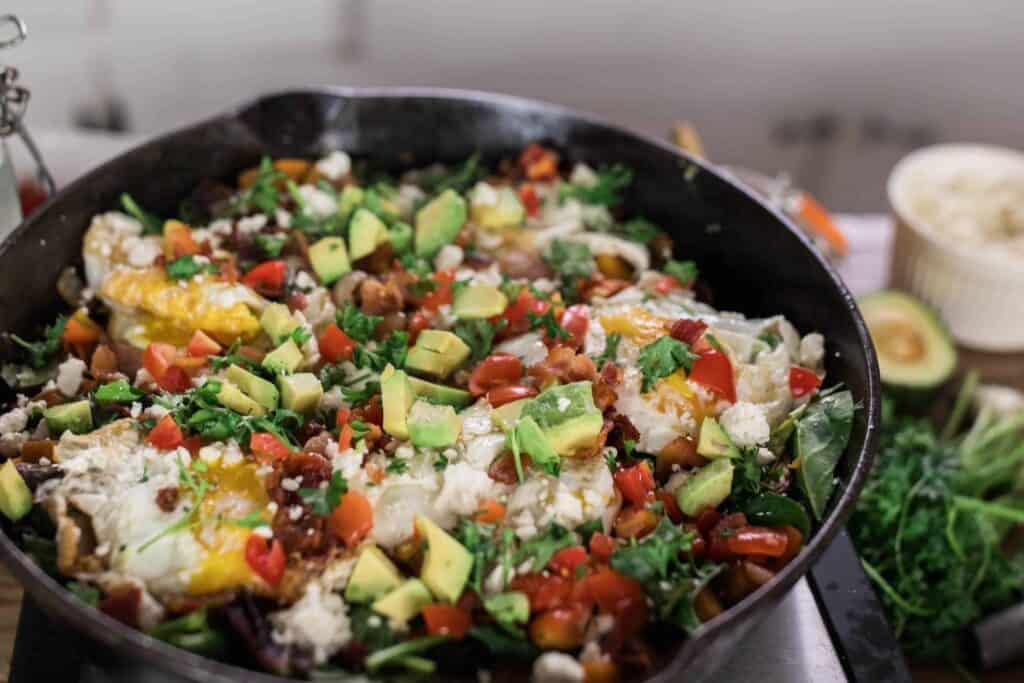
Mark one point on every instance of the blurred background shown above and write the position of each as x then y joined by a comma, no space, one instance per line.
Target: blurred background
832,94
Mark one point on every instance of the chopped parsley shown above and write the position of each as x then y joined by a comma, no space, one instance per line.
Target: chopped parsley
84,592
357,324
572,261
459,179
300,335
151,224
263,194
391,351
354,396
39,353
251,521
397,466
606,190
193,480
639,230
478,335
188,266
323,499
685,272
661,358
441,463
551,327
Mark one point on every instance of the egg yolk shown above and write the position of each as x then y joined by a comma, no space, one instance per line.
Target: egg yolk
637,324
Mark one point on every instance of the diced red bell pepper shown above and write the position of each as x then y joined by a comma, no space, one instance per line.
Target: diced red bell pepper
175,380
538,163
345,437
665,284
268,275
178,241
267,560
561,628
516,313
335,346
635,483
714,371
671,506
447,620
81,331
201,345
267,445
802,381
442,292
496,370
166,435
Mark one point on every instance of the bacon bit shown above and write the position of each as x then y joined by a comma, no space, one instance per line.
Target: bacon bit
604,388
538,163
503,468
122,603
167,498
622,431
601,286
103,362
35,450
372,412
530,200
563,365
295,536
379,298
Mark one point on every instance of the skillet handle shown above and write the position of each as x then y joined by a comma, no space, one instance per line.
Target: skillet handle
855,619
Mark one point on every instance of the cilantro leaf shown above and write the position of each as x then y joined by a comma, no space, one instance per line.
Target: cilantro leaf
271,245
397,466
323,499
653,558
542,547
639,230
611,350
606,190
440,463
572,261
362,395
39,353
661,358
263,194
187,266
551,327
357,324
459,179
300,335
478,335
118,391
685,272
151,224
392,350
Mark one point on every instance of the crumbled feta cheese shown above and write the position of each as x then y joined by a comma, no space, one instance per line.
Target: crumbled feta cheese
563,404
335,165
69,376
141,251
155,411
812,351
14,421
318,621
295,512
583,175
450,256
746,424
221,226
483,194
464,487
318,202
136,410
557,667
264,531
289,484
282,218
304,280
765,456
252,224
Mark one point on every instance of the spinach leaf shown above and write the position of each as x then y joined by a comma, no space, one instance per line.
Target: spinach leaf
822,433
639,230
771,509
501,644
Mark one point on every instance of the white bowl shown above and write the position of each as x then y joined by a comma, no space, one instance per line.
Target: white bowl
978,288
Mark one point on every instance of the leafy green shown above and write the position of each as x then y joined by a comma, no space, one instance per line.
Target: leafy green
192,632
39,353
251,521
151,224
270,245
551,327
543,546
588,529
440,463
43,552
200,411
323,499
395,655
118,391
461,179
478,335
397,466
369,628
188,266
607,190
572,261
502,644
661,358
639,230
363,394
263,194
391,351
611,350
357,324
685,272
84,592
772,509
198,485
509,610
822,433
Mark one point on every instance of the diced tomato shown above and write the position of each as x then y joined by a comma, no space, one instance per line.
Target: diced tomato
575,320
157,358
565,561
530,200
175,380
166,434
268,275
601,546
538,163
615,594
81,330
345,437
192,444
543,591
417,323
665,284
267,445
671,506
352,519
190,364
490,512
496,370
802,381
335,345
267,561
447,620
178,241
499,396
714,371
688,330
757,540
516,314
442,292
635,483
635,522
202,345
561,628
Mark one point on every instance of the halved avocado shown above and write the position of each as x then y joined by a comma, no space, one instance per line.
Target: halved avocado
915,352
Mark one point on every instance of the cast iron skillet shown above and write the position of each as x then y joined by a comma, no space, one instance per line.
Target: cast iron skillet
754,259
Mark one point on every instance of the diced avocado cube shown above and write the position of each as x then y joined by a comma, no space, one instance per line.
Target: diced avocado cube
232,397
508,609
69,417
446,563
506,416
714,442
567,415
15,496
256,388
365,234
400,235
496,208
479,302
707,488
405,602
535,442
437,353
300,392
396,399
329,259
285,358
438,222
433,426
278,322
350,199
373,576
439,393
